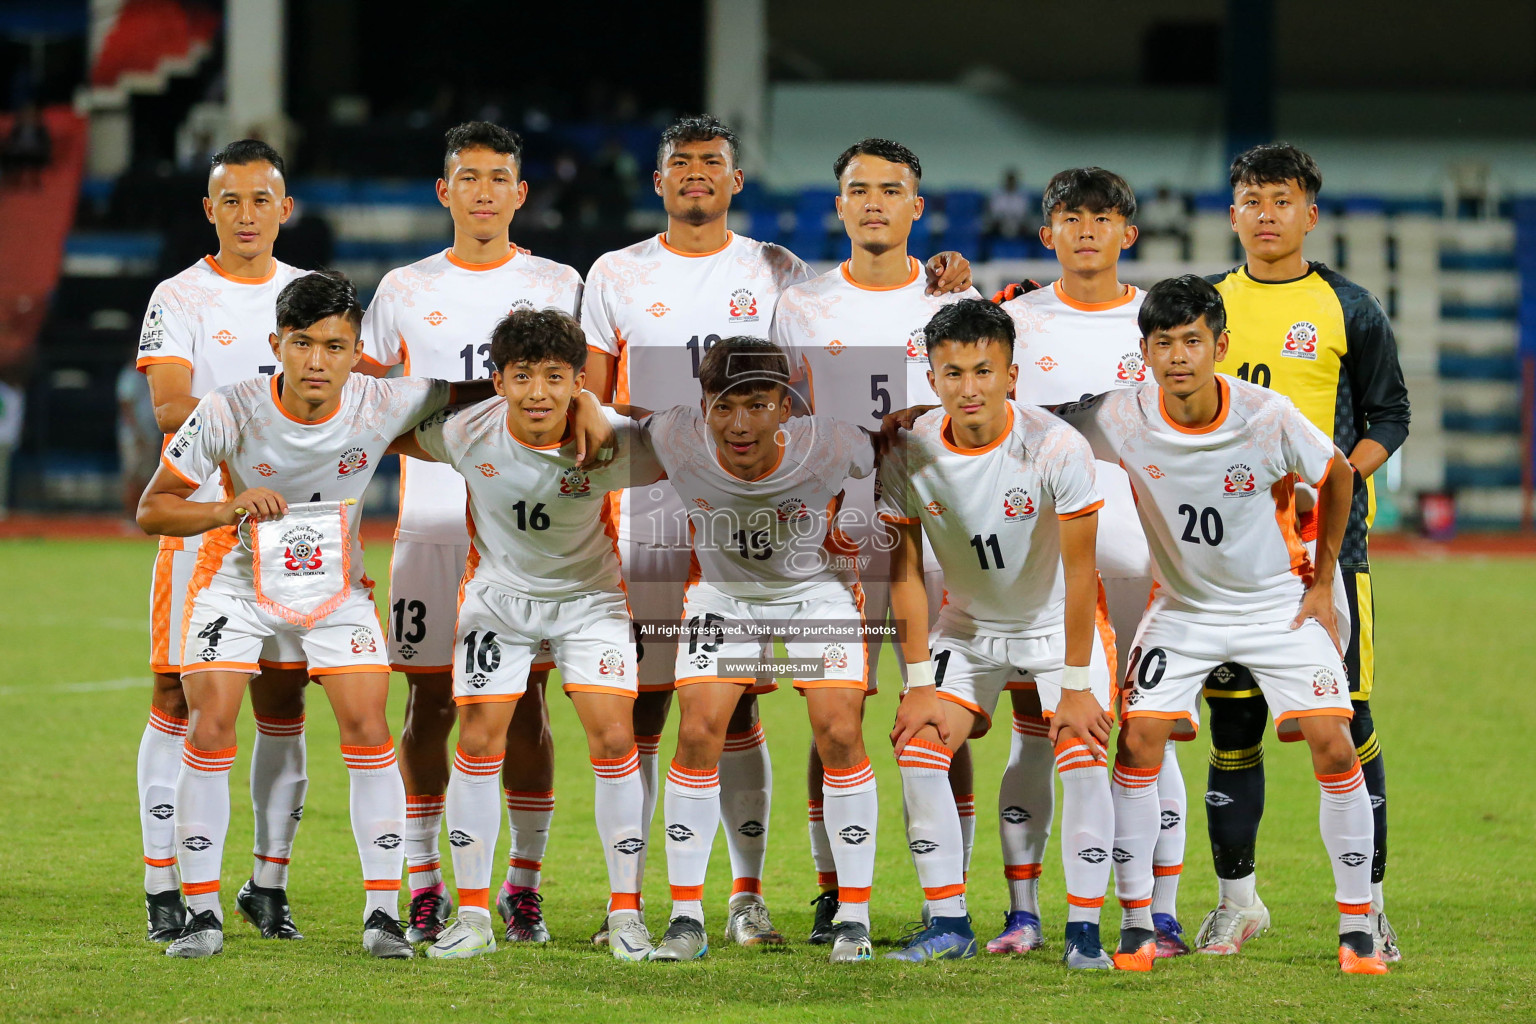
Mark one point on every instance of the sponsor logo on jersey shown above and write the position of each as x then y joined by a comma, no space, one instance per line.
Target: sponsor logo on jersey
1119,855
435,318
629,845
478,680
853,835
363,641
301,550
922,846
1152,471
1238,482
679,833
611,663
352,460
1170,819
1046,363
387,841
198,843
836,347
1018,506
792,509
706,506
189,430
1015,815
1353,859
1093,855
152,337
743,306
917,346
487,470
574,483
834,656
1132,370
264,469
934,508
657,310
459,838
1300,341
751,828
224,338
163,812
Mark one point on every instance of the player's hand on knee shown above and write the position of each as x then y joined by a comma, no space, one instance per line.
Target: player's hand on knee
1078,713
948,272
258,502
1317,604
919,709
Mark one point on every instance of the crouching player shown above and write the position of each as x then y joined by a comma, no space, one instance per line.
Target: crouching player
542,566
1005,495
1214,462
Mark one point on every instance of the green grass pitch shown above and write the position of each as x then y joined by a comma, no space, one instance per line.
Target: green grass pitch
1455,646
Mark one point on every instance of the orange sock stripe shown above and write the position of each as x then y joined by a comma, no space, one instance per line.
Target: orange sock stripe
1164,870
198,888
1028,725
526,865
480,767
1135,778
208,760
272,860
648,745
943,892
1341,776
827,880
520,801
436,865
369,758
693,778
1355,908
687,892
853,894
381,884
1021,872
847,778
475,898
739,741
922,754
167,724
426,799
1083,901
747,885
280,726
1127,904
815,809
157,862
966,805
623,901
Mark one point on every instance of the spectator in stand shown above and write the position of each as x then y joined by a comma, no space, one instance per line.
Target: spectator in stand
1164,215
1010,214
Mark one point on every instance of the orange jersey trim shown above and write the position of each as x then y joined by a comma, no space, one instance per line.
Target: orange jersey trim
945,433
277,401
463,264
1086,510
1093,307
145,362
221,666
178,473
487,698
342,670
1225,407
847,272
226,275
730,236
592,688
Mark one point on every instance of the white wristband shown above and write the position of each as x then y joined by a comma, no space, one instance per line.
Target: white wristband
1075,677
920,674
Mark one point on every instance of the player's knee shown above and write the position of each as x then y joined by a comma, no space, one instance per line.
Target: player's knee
1138,747
841,743
1333,752
699,739
611,740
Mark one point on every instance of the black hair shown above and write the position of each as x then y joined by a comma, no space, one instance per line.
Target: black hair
538,336
756,363
885,149
482,135
1275,163
970,322
1088,188
1177,301
248,151
309,299
697,129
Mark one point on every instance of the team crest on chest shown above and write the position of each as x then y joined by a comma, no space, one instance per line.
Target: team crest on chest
792,509
301,551
574,483
1238,482
1132,370
743,306
611,663
917,346
1300,341
353,460
1018,506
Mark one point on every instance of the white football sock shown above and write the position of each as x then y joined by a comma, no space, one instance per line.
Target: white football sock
650,791
933,826
616,808
1026,802
1087,828
746,800
279,782
965,807
821,847
1136,827
691,810
202,822
1168,855
474,824
377,806
1344,817
423,822
159,767
528,818
851,807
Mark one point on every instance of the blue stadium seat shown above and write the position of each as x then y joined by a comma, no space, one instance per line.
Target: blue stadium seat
809,240
965,211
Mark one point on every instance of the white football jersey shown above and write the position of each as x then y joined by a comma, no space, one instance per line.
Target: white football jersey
216,325
866,355
436,317
1069,351
242,435
1217,503
990,515
539,525
764,539
658,310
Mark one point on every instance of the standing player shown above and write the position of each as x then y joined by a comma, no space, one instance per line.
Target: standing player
1214,462
314,429
651,311
1005,494
1079,338
1325,343
436,316
542,567
859,331
207,327
766,562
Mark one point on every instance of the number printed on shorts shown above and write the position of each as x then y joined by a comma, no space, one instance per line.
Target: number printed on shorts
211,633
711,623
940,666
1145,671
482,651
412,614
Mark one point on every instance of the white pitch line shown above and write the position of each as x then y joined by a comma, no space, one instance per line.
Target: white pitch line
93,687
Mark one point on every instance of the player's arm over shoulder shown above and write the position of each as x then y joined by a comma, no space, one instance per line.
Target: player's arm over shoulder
1069,471
1091,417
1370,360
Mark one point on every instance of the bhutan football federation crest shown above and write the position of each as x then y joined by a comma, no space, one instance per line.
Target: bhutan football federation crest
1131,371
301,551
791,510
834,657
1018,506
1300,341
743,306
611,663
1238,482
363,641
917,346
574,483
353,460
